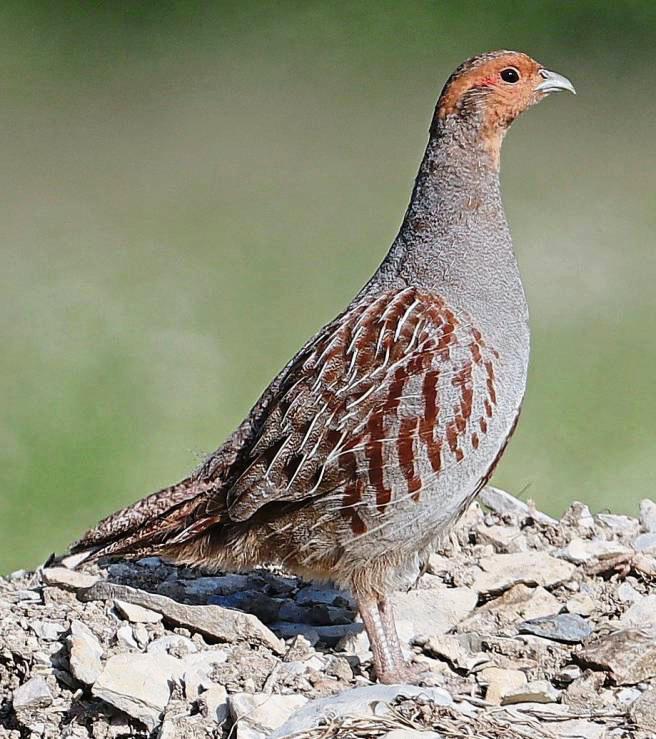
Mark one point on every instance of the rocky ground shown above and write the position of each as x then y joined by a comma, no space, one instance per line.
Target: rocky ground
530,627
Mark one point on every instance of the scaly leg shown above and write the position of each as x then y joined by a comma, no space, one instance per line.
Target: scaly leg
379,623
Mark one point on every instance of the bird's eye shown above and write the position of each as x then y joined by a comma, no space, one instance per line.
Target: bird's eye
510,75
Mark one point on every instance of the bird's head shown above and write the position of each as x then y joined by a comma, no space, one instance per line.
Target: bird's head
487,92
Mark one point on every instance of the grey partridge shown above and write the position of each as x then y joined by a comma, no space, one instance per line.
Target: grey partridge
377,435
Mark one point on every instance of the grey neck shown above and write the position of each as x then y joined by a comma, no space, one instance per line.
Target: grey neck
454,239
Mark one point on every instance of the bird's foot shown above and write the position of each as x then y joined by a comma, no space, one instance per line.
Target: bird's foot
408,673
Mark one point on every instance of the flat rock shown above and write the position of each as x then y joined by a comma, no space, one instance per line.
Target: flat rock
136,614
536,691
139,685
263,711
569,628
62,577
85,653
500,683
34,693
433,611
219,623
356,702
502,571
579,728
629,655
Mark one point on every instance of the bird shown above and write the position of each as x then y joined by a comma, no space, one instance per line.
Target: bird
378,434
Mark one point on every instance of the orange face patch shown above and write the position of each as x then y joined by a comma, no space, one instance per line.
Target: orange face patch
495,88
504,98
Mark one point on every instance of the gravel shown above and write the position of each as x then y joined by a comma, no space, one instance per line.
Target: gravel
527,627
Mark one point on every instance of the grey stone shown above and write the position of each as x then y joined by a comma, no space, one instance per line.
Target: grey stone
518,603
174,645
629,655
331,635
125,637
140,634
580,551
204,587
569,628
323,615
567,675
357,702
578,516
288,630
244,731
136,614
641,613
150,563
646,542
501,502
451,649
648,515
139,685
623,526
198,668
85,653
627,593
62,577
502,571
579,728
215,699
290,611
34,693
431,612
259,604
263,711
48,630
219,623
581,604
502,538
329,596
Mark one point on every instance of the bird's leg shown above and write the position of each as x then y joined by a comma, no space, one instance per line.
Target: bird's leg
378,621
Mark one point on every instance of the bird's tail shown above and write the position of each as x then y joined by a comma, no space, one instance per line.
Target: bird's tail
150,524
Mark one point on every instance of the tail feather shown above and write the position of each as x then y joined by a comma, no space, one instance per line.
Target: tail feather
148,523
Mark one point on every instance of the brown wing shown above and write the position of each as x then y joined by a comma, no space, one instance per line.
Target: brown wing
358,400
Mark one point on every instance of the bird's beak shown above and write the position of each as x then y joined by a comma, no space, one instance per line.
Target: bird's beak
554,82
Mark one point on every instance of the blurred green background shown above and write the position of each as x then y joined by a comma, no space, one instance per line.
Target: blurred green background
189,190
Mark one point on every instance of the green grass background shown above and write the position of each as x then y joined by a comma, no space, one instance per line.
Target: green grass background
188,190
